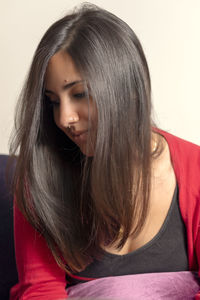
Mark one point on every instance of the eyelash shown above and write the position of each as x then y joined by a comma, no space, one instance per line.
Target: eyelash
80,95
76,96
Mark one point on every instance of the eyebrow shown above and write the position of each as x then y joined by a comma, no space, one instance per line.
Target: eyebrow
66,86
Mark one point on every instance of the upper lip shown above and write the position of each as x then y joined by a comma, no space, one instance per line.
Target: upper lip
77,133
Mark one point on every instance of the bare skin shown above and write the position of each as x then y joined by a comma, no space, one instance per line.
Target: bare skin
66,90
162,190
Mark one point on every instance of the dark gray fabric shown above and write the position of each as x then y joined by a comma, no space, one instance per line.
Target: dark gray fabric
166,252
8,270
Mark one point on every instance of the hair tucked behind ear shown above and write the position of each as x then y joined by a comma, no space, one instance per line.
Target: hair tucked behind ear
80,203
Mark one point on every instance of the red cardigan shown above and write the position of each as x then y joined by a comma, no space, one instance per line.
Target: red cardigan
39,275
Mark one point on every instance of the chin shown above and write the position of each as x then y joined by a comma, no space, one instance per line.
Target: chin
86,152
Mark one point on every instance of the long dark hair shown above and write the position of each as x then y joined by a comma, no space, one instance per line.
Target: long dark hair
80,203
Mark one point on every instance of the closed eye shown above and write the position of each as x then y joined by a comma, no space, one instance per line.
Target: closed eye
80,95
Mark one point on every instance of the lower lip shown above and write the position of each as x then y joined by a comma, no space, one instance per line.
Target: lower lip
81,138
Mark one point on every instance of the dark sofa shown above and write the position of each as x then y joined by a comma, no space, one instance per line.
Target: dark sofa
8,270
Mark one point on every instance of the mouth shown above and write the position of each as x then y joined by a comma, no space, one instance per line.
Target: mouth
78,133
80,136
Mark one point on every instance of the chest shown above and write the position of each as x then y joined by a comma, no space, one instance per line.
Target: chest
165,252
161,196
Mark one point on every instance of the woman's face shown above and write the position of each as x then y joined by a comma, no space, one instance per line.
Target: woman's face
67,92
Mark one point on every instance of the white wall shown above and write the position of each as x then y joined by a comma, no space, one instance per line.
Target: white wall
170,34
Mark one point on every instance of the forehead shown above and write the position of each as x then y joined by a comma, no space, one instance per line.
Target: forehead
61,69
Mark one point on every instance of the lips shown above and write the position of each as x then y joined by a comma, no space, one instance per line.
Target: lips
78,133
79,136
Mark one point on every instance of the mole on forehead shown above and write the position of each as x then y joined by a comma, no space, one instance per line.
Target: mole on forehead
66,85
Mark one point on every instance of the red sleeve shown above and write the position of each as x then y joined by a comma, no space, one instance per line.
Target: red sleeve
197,297
39,275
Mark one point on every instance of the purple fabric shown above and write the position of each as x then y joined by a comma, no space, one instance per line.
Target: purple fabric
173,286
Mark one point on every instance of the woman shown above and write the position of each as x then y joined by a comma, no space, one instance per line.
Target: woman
95,179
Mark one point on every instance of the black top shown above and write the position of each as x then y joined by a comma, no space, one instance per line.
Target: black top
166,252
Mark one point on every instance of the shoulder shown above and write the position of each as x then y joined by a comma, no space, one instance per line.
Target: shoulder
185,159
181,149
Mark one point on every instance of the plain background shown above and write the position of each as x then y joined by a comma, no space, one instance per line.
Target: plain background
169,31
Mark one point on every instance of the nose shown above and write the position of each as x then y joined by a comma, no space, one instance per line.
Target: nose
68,115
